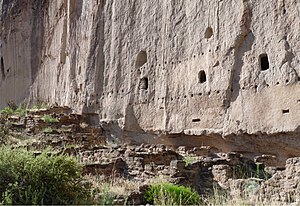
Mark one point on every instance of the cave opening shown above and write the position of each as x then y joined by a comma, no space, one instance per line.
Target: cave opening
208,32
144,83
202,76
285,111
264,62
141,59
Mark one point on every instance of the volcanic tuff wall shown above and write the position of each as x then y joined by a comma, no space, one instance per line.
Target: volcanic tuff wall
203,68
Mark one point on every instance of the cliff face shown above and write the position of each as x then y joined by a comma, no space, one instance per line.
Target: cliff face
203,69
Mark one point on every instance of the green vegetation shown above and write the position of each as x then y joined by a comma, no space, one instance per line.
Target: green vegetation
49,119
13,109
189,160
47,130
4,130
169,194
222,197
241,171
45,179
41,105
8,111
105,196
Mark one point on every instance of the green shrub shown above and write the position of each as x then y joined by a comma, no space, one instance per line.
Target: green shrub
169,194
45,179
21,111
47,130
189,160
49,119
4,131
7,111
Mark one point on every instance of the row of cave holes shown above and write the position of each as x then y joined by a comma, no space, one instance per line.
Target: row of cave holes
172,98
112,92
192,95
142,55
142,59
144,82
284,111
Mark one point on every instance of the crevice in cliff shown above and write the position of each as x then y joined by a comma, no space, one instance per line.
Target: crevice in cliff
72,33
2,69
96,62
64,42
4,8
242,44
75,7
284,24
37,35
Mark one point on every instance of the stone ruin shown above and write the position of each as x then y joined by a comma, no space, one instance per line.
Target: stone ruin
202,168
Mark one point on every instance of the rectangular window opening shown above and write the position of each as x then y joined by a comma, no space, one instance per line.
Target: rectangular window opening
195,120
285,111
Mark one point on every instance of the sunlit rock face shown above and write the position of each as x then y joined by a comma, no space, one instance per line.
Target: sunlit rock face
222,73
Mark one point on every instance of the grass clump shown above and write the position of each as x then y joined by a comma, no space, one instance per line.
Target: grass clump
170,194
41,105
108,191
105,196
45,179
49,119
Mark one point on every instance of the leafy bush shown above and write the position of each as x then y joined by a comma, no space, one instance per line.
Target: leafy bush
45,179
49,119
7,111
4,130
169,194
21,111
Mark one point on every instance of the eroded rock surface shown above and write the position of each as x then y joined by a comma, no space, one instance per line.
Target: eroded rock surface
223,74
